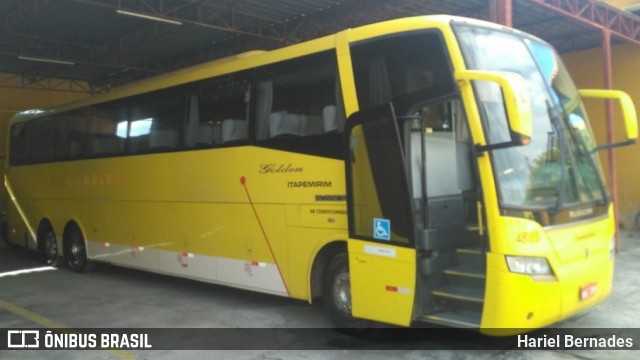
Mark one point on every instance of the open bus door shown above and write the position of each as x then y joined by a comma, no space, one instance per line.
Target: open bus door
382,257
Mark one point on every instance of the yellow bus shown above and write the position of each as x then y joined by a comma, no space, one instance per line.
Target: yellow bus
427,169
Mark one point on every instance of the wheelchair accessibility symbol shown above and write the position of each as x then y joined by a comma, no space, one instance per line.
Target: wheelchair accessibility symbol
381,229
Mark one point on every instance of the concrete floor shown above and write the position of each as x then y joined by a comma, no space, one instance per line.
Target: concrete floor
113,297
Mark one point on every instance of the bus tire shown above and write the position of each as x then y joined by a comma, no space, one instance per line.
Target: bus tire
76,251
4,229
337,294
48,245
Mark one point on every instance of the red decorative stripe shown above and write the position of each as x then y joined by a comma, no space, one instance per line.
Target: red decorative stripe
243,181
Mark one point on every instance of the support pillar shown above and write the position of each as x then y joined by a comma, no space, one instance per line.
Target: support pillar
502,12
607,69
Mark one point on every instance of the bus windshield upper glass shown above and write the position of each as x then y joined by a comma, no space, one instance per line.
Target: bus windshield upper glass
557,169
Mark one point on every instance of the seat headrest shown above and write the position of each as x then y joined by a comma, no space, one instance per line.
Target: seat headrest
329,118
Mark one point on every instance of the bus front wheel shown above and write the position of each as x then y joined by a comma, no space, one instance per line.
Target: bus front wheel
337,293
76,251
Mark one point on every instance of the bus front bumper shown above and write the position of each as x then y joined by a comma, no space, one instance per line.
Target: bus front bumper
517,303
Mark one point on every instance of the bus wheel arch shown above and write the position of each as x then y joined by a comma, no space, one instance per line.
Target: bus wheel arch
319,267
75,248
47,243
330,281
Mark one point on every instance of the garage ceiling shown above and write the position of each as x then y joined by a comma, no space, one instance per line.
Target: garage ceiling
107,43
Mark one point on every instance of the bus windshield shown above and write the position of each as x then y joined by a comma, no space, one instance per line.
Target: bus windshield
558,169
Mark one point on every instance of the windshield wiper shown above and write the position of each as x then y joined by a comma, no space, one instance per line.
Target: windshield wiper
556,122
583,155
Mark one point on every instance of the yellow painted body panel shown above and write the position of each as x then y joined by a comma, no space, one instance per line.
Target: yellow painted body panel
383,281
579,256
175,203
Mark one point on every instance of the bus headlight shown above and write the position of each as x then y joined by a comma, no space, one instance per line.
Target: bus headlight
529,265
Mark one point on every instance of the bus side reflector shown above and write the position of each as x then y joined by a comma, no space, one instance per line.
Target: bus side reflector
399,290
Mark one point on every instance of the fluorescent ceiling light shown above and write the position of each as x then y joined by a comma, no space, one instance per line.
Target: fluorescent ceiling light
148,17
52,61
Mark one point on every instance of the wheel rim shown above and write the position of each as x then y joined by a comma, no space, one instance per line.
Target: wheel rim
50,248
342,292
77,254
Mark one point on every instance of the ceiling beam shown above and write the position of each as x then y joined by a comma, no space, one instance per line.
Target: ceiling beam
26,10
339,17
15,44
599,15
207,15
43,82
360,12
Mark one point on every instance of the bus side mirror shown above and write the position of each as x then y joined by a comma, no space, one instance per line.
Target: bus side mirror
628,110
517,101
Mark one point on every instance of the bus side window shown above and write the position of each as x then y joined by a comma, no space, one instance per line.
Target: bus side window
101,127
298,108
40,141
152,122
69,136
218,112
404,69
19,142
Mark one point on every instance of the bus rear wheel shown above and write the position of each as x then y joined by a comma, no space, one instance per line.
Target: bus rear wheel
4,230
337,294
76,251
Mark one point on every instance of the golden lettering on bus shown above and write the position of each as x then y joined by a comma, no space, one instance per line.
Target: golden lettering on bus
272,168
585,236
528,237
98,179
